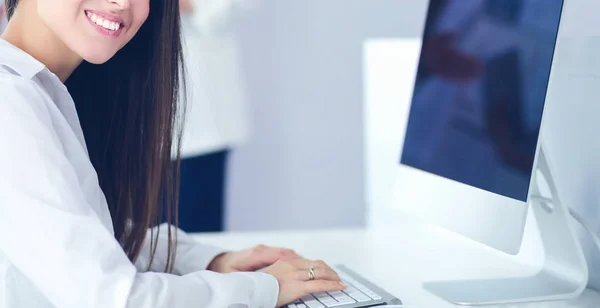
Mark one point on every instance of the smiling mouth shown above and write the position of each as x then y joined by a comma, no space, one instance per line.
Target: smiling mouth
104,23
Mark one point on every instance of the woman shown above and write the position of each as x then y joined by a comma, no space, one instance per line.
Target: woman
74,218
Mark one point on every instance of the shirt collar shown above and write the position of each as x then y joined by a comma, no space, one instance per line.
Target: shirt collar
19,61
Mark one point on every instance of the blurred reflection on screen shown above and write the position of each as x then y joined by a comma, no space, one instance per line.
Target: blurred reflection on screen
480,91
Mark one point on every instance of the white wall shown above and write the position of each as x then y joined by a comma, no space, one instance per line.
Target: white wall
304,167
390,67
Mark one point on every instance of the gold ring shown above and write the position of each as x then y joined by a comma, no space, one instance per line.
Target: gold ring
311,273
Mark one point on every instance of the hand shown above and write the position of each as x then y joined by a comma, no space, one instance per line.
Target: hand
294,283
442,58
186,6
251,259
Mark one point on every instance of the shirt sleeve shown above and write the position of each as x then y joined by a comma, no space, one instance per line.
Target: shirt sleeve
191,255
54,238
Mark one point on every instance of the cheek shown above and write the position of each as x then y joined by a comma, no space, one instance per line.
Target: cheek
59,11
62,17
140,11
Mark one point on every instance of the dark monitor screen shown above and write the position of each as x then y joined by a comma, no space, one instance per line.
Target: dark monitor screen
479,92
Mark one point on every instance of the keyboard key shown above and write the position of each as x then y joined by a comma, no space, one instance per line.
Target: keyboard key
357,295
352,290
361,298
329,299
322,297
312,302
329,302
308,297
350,279
291,306
355,292
325,299
336,294
362,288
346,301
320,294
336,304
358,285
341,297
300,306
373,295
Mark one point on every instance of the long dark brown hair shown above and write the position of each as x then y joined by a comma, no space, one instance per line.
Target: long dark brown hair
127,108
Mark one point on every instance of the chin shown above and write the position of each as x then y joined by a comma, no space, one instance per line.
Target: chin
98,57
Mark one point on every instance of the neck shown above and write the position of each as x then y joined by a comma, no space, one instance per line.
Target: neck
27,31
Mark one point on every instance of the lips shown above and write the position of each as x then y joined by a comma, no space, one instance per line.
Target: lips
106,24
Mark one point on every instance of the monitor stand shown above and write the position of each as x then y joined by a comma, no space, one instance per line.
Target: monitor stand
564,273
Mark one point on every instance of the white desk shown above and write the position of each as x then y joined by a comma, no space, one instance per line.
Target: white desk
396,259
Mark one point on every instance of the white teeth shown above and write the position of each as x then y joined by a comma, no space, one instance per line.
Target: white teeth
106,24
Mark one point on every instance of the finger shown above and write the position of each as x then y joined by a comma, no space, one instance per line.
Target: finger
321,273
288,254
305,264
262,256
325,272
321,286
283,253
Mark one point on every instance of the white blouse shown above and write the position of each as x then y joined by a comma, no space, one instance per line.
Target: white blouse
57,245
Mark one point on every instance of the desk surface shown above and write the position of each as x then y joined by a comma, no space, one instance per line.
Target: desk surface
398,259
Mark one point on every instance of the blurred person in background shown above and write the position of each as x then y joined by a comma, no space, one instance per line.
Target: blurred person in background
215,120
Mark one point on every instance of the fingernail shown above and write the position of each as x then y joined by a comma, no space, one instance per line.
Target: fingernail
343,284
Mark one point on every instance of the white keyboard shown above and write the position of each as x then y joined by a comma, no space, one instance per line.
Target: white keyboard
356,292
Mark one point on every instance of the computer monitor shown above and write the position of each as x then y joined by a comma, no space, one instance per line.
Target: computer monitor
476,113
472,159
